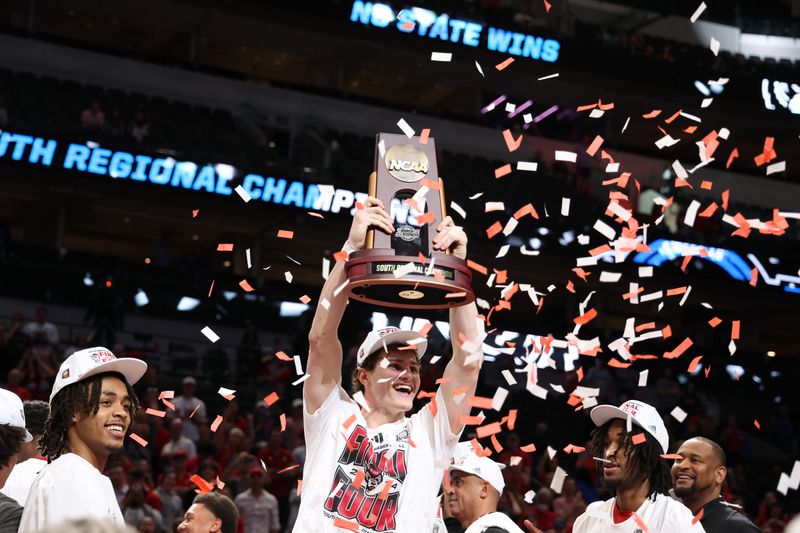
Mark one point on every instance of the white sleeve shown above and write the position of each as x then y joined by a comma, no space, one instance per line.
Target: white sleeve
680,521
315,425
437,428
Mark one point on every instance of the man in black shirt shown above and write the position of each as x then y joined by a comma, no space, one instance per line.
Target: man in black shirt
697,478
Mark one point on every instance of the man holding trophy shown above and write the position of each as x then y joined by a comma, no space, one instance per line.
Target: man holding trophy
370,467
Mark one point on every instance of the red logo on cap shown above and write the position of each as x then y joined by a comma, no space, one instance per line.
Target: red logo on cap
102,356
630,407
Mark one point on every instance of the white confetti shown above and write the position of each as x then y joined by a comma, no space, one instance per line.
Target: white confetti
509,377
243,194
247,256
528,118
441,56
605,230
612,167
565,155
510,108
288,276
646,272
643,378
610,277
510,226
499,398
494,206
225,392
478,66
565,206
596,113
666,141
624,127
300,380
530,495
530,166
503,251
404,270
298,366
706,102
714,46
697,12
209,333
325,304
678,414
558,480
458,209
691,213
549,77
403,125
780,166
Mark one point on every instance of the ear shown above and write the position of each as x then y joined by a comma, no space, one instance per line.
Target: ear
720,474
363,376
485,490
216,525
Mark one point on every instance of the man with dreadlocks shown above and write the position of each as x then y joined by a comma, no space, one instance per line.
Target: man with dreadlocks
92,405
629,440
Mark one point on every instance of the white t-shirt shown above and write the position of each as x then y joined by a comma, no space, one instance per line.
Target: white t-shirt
66,489
410,454
493,519
18,484
260,514
664,515
47,331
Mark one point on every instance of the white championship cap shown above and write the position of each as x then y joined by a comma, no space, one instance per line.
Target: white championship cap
466,460
12,413
643,415
92,361
386,336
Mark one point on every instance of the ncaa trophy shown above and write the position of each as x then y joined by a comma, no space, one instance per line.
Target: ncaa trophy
402,269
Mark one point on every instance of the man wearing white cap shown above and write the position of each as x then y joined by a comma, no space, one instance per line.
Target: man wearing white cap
376,469
476,484
12,436
629,441
92,405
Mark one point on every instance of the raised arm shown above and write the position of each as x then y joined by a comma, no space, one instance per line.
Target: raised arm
324,365
466,334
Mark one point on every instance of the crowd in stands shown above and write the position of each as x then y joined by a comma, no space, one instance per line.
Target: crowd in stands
254,451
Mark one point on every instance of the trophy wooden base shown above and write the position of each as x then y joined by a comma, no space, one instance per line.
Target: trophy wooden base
371,279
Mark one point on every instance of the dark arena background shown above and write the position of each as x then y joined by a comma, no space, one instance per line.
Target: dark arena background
176,177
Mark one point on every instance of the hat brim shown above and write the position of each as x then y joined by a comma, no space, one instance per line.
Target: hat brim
398,337
28,436
603,413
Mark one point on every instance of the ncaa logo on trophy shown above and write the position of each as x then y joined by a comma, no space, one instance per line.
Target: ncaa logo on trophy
402,269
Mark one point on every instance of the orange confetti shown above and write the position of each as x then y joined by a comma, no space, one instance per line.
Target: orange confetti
673,117
677,352
195,212
423,137
283,421
502,171
201,483
585,318
756,424
211,288
215,424
596,143
425,218
494,229
511,143
246,287
652,114
639,438
345,524
527,209
714,322
735,330
299,487
156,412
359,479
640,522
304,299
285,234
528,448
488,429
138,440
734,155
694,363
504,64
341,255
282,356
349,422
753,277
480,402
225,247
617,364
477,267
547,6
271,398
671,456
